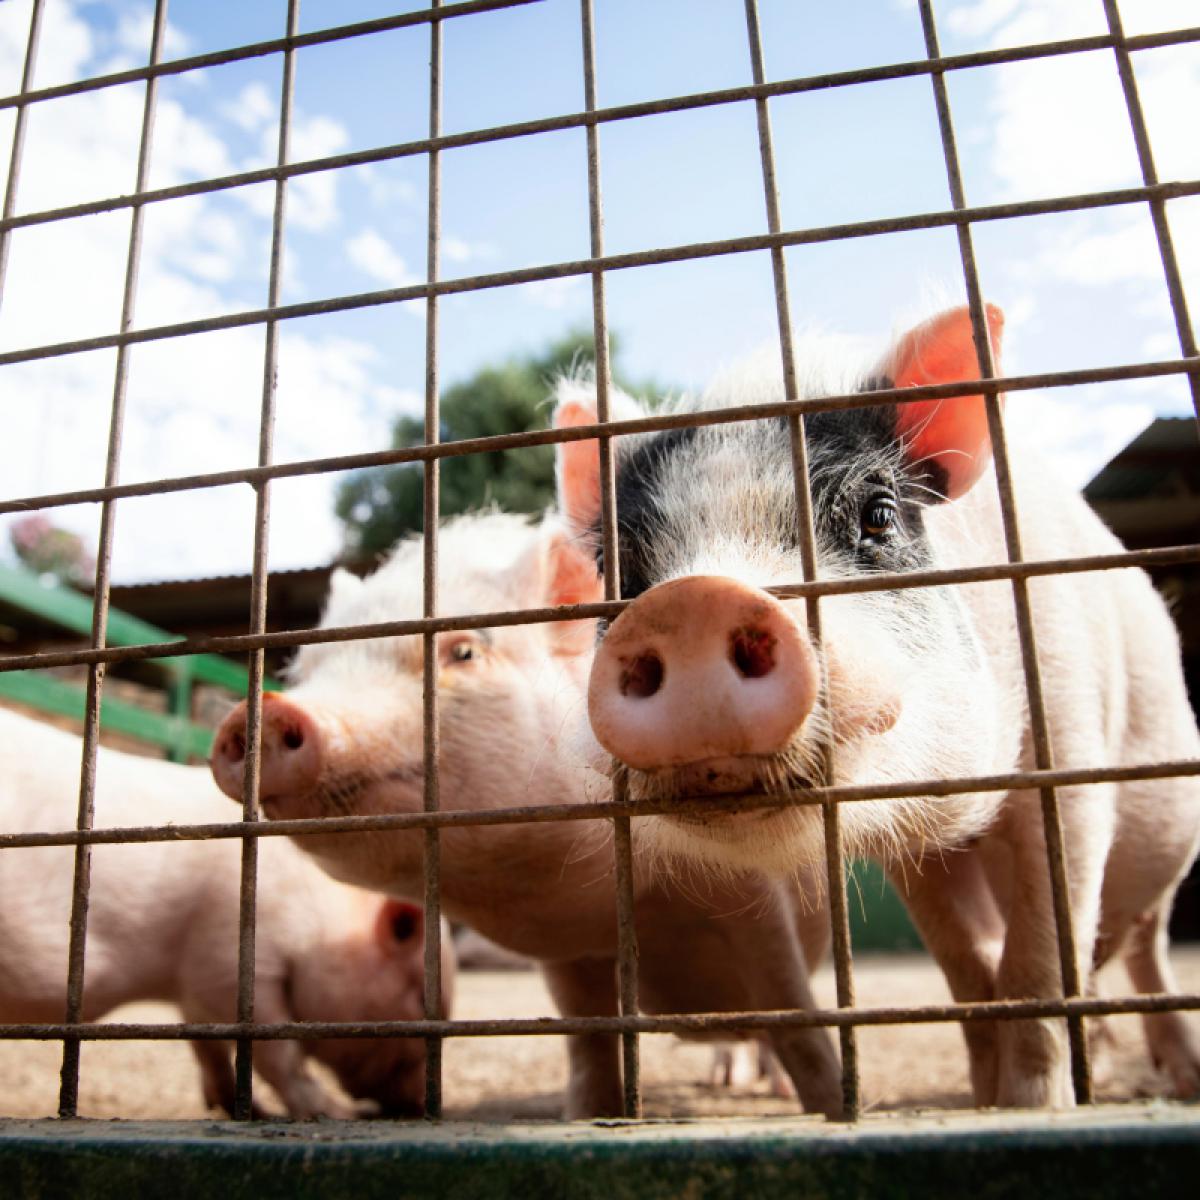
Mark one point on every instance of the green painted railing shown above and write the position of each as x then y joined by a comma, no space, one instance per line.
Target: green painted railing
181,737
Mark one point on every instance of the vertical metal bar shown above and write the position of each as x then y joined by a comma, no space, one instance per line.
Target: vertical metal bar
1158,207
627,952
432,506
18,139
1043,751
68,1095
834,856
244,1053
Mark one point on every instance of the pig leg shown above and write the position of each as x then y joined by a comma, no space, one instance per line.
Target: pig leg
280,1063
807,1055
770,1070
217,1079
955,912
1033,1055
1173,1043
588,988
216,1075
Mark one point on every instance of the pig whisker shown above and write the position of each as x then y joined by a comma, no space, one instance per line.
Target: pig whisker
580,850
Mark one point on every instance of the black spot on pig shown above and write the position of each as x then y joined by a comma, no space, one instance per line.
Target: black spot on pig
867,500
640,477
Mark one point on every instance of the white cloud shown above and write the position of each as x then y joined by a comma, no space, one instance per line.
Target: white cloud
193,403
1079,431
978,20
375,256
554,294
252,108
312,199
386,191
1059,127
458,250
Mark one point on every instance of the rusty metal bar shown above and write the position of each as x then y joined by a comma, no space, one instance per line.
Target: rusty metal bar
536,814
18,136
627,987
1026,634
624,112
240,643
248,900
835,871
614,262
68,1095
497,443
1158,209
629,1025
431,509
318,37
678,1023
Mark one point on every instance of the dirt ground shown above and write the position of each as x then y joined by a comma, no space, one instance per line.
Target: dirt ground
497,1079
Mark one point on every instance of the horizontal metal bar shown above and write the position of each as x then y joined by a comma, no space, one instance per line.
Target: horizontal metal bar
613,262
585,811
218,58
650,424
557,124
883,581
680,1023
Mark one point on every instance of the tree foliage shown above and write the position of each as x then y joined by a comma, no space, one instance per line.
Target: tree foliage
379,505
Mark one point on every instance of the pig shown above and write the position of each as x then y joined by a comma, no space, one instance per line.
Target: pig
347,739
708,685
163,925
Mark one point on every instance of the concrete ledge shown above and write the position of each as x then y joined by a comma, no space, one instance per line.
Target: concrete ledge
1150,1150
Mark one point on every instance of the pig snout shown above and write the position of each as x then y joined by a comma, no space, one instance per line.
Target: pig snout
698,670
291,750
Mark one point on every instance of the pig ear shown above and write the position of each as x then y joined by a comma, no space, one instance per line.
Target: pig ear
399,923
571,578
949,438
578,466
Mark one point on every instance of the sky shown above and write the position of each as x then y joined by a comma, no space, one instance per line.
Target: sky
1079,290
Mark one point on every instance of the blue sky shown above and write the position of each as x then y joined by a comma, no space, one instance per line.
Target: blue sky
1079,289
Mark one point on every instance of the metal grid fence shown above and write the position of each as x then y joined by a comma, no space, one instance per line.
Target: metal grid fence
1046,778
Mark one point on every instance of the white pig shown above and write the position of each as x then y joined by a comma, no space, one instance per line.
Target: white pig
163,925
347,739
706,684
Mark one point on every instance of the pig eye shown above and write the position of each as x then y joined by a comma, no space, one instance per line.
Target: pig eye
878,516
464,651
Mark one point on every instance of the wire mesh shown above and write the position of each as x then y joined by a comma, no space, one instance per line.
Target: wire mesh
629,1023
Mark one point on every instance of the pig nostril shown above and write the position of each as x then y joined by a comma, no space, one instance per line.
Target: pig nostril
293,738
642,676
235,747
753,652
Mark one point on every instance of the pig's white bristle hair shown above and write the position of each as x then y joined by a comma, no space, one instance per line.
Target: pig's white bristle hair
478,556
578,386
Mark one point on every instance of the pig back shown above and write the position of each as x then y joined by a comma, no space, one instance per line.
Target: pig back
143,897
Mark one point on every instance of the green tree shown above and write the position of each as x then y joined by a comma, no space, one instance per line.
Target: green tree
379,505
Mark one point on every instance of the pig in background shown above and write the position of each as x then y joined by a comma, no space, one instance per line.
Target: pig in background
347,739
708,685
163,925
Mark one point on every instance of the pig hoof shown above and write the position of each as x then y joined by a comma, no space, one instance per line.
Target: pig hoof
1184,1074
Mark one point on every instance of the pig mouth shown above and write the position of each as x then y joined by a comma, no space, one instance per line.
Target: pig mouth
717,778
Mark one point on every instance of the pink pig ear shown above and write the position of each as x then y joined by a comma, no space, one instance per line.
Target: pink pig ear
951,436
571,578
399,923
578,465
